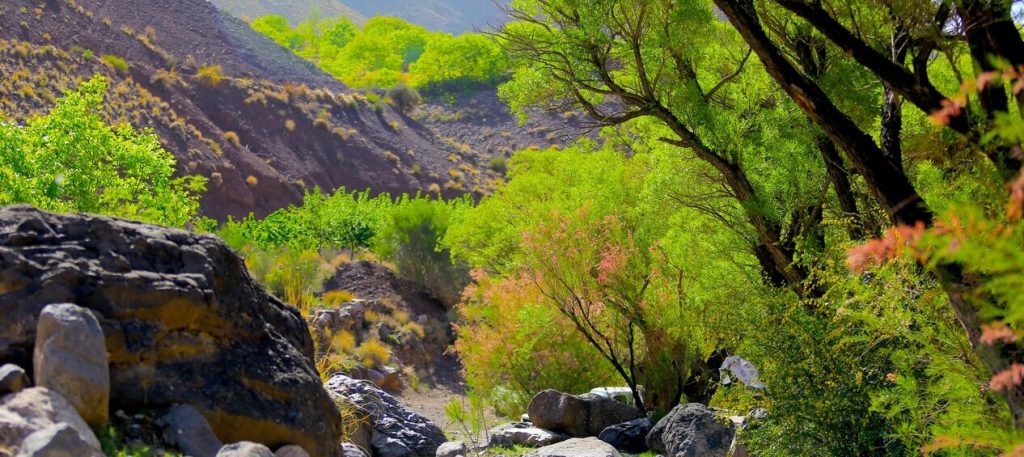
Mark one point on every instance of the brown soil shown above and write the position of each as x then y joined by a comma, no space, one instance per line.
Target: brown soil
296,127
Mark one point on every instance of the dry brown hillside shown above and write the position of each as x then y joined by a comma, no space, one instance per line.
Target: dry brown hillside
262,123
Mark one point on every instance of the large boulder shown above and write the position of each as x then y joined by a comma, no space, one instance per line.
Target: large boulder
39,409
577,447
628,436
523,434
692,430
397,432
70,358
183,320
578,415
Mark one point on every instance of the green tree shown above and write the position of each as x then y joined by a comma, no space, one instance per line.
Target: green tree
71,160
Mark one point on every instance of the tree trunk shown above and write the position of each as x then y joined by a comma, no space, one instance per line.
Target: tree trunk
890,185
839,177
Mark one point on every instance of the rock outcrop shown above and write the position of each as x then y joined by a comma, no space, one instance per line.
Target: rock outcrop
70,358
628,436
184,324
578,415
692,430
397,432
577,447
40,410
523,434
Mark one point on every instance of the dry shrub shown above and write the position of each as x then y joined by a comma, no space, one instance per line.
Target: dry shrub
210,76
336,298
373,353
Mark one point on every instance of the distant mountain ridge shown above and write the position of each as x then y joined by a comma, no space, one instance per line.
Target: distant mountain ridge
293,10
453,16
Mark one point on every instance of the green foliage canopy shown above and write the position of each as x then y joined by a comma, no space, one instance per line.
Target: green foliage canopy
70,160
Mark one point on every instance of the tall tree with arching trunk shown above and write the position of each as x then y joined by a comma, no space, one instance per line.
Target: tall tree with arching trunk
675,71
886,178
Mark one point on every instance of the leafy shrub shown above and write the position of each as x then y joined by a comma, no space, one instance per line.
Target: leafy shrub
294,275
513,346
410,237
498,165
118,64
404,97
115,171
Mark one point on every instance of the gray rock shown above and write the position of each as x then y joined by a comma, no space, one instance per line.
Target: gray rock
12,379
351,450
578,415
523,434
187,429
628,436
291,451
692,430
577,447
245,449
58,440
453,449
397,432
70,358
34,409
184,322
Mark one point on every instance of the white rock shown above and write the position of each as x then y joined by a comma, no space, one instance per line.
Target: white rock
70,358
577,447
245,449
35,409
58,440
453,449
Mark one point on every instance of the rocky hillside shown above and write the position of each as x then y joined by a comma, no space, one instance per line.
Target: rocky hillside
261,123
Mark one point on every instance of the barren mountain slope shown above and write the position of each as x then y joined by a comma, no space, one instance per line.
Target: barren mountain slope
272,126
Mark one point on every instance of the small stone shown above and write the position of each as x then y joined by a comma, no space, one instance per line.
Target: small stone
351,450
245,449
453,449
70,358
58,440
12,379
187,429
291,451
628,436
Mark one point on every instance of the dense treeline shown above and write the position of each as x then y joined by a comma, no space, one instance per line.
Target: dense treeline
388,51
